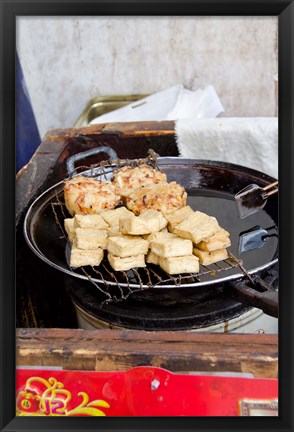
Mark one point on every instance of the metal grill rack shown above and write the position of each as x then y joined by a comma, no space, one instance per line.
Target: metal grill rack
104,169
118,285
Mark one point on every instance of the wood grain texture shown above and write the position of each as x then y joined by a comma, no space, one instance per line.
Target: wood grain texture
126,129
109,350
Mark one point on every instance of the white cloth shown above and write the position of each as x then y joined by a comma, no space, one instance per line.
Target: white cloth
170,104
250,142
202,103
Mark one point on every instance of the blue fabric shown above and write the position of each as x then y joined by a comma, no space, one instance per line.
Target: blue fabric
26,133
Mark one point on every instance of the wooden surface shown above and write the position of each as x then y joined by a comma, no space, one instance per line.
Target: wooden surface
113,350
126,129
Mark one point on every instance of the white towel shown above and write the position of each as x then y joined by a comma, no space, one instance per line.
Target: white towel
250,142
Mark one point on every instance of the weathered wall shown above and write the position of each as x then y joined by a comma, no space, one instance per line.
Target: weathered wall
68,60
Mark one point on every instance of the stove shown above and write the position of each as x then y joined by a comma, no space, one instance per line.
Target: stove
215,311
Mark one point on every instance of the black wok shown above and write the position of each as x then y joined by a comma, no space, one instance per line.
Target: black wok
211,187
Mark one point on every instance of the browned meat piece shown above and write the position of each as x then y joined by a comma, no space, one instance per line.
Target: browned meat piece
128,178
165,197
85,195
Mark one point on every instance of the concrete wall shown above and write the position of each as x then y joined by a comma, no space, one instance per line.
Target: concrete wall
68,60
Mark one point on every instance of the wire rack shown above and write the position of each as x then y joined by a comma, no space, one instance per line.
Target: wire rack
118,285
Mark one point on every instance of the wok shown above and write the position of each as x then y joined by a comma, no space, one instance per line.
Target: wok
211,188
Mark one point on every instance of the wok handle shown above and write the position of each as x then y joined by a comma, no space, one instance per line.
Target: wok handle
267,301
70,163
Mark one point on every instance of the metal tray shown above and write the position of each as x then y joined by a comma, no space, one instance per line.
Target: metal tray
99,105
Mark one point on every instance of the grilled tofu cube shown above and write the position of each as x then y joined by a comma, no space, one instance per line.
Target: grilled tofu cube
219,240
127,263
90,221
151,258
69,228
171,247
154,219
90,238
148,222
83,257
177,265
133,226
207,258
112,216
178,216
159,235
197,227
126,246
113,231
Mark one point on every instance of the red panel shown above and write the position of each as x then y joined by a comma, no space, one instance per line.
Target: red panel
142,391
